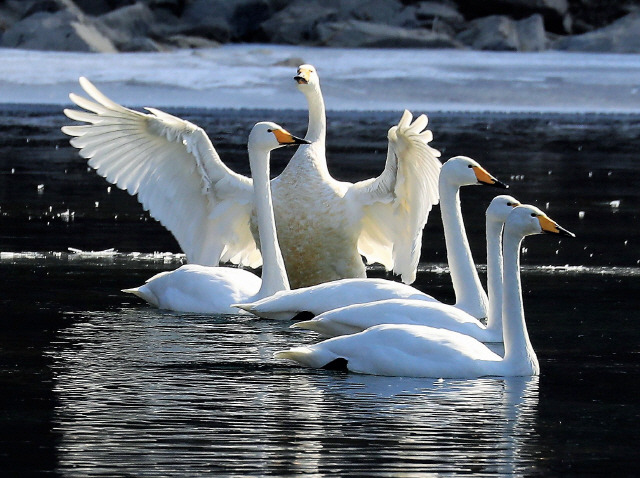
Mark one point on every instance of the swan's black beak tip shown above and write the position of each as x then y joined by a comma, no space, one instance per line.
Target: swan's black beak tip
500,184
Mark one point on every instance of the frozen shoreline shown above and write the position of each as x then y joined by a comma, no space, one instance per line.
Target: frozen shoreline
260,76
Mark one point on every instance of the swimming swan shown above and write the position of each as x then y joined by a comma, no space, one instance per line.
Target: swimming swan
323,224
456,172
421,351
208,289
356,318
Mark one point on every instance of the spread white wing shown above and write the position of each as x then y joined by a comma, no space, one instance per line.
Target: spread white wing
397,203
176,173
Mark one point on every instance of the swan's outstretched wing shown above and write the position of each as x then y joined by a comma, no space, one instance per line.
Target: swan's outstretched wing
176,173
397,203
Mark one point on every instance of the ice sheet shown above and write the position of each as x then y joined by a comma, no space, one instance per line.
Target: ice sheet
260,76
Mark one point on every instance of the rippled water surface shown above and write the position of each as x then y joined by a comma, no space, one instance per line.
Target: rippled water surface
94,383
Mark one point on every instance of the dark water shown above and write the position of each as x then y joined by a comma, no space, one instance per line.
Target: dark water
93,383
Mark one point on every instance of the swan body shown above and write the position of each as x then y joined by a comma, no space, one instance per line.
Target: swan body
324,225
208,289
422,351
456,172
358,317
315,300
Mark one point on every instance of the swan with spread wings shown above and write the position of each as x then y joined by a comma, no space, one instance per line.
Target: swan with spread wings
323,225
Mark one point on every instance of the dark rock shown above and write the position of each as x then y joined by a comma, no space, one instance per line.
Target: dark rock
61,31
94,7
622,36
531,34
501,33
374,11
224,20
434,16
297,24
184,41
554,12
357,34
129,28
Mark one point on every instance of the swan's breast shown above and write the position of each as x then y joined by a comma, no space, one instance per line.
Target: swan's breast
317,231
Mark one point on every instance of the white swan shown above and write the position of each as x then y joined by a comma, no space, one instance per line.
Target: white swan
421,351
456,172
323,224
356,318
208,289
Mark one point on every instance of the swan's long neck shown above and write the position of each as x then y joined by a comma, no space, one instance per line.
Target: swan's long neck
518,352
494,274
470,296
317,130
274,274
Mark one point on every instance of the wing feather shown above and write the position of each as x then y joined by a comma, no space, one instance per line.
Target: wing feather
176,173
397,203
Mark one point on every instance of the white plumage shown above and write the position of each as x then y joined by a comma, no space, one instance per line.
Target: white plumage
456,172
210,289
421,351
323,224
358,317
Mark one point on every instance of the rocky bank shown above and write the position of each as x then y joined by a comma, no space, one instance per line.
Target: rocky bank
160,25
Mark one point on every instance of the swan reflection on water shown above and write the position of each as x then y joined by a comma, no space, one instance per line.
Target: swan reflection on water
137,383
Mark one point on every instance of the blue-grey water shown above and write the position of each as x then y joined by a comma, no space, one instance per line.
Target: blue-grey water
95,383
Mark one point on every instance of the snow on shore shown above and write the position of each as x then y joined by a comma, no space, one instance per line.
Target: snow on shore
261,76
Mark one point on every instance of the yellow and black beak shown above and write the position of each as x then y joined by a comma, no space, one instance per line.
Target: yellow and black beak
485,179
285,138
551,227
302,78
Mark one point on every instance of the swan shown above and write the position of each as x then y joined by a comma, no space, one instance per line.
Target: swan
209,289
422,351
324,225
456,172
358,317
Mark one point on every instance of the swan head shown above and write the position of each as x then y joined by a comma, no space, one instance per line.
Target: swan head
306,76
464,171
268,136
525,220
500,208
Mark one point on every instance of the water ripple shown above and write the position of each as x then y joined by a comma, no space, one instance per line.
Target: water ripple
144,392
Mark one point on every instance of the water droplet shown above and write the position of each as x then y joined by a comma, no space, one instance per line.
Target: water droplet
590,174
626,242
615,203
546,205
108,189
97,203
581,214
13,170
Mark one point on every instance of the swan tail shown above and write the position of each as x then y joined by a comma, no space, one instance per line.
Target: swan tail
326,328
307,356
144,294
264,311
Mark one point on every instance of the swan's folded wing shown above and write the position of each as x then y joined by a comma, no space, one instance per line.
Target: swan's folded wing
397,203
177,175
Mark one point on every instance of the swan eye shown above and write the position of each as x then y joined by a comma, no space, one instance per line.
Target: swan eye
533,214
269,131
470,166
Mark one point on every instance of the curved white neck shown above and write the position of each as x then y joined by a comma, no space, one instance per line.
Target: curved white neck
494,275
518,351
274,274
317,130
470,296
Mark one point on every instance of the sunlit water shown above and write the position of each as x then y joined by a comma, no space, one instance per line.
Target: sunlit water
95,383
